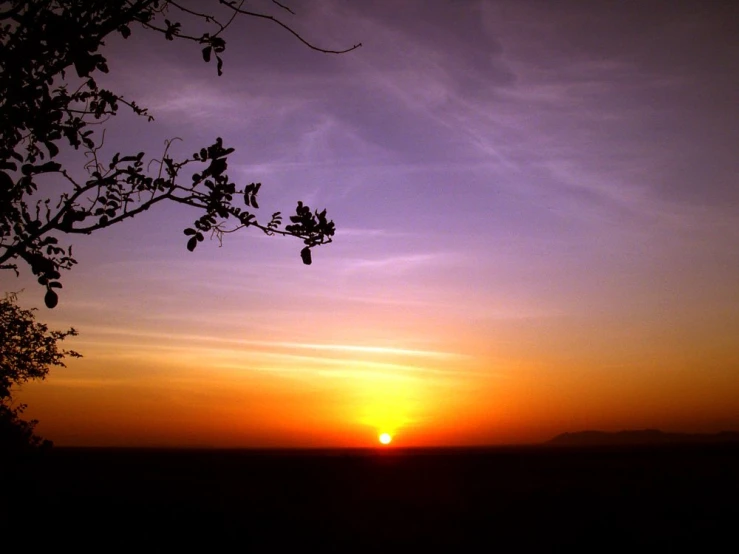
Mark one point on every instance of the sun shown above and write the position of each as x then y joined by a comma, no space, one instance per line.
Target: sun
385,438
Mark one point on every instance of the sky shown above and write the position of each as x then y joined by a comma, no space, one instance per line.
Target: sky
537,230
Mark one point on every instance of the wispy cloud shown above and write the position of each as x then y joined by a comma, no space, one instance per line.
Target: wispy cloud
394,264
285,345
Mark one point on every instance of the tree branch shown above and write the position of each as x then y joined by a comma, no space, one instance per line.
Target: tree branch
287,28
283,6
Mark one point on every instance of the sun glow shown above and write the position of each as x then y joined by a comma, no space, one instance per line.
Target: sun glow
385,438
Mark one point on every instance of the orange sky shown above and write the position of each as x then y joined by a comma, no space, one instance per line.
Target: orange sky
536,233
233,374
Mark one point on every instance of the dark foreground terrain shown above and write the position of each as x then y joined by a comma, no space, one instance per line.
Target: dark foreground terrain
500,499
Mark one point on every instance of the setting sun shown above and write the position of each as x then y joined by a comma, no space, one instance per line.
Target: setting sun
385,438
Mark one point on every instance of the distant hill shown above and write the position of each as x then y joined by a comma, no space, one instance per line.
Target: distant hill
639,437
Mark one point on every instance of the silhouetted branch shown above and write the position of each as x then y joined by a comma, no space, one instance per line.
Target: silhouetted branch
49,38
287,28
283,6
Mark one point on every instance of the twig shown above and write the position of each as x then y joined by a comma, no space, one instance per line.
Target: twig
289,29
283,6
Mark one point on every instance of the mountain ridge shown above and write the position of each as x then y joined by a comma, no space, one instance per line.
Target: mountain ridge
640,437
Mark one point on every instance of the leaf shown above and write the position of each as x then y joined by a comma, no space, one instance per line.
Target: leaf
52,148
306,256
217,167
6,183
192,243
189,231
206,53
51,299
83,64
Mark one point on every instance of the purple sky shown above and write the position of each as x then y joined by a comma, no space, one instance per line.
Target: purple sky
547,190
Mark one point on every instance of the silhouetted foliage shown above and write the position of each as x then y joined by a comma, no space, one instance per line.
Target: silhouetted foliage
49,99
28,351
